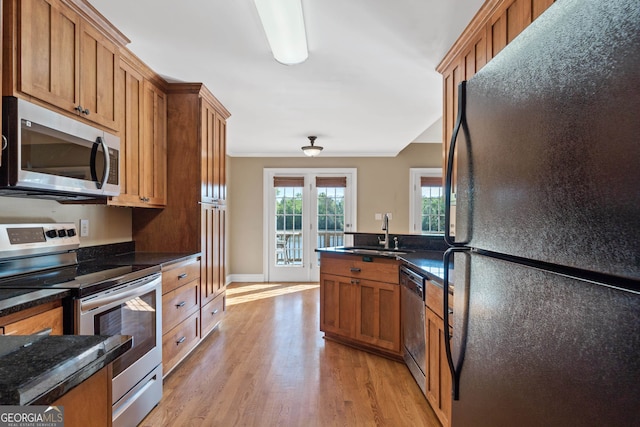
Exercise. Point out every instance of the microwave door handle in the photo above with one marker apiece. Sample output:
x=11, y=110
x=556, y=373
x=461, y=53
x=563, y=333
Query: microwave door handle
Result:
x=107, y=162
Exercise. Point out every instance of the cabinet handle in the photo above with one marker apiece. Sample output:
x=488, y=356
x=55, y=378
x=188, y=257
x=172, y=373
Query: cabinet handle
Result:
x=181, y=304
x=181, y=340
x=355, y=270
x=450, y=311
x=182, y=276
x=355, y=281
x=215, y=311
x=4, y=142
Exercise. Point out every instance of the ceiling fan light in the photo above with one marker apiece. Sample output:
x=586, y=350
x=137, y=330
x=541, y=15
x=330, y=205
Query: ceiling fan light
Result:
x=283, y=24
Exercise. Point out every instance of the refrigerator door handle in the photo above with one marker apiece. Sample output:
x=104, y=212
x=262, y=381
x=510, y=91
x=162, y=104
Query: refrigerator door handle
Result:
x=461, y=121
x=456, y=367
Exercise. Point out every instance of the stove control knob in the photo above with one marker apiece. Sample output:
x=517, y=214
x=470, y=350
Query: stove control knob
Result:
x=51, y=233
x=62, y=232
x=71, y=232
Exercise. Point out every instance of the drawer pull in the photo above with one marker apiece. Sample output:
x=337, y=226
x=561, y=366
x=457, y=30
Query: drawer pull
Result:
x=181, y=340
x=355, y=270
x=180, y=304
x=182, y=276
x=215, y=311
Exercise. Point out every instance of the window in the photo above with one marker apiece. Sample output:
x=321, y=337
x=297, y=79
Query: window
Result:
x=427, y=201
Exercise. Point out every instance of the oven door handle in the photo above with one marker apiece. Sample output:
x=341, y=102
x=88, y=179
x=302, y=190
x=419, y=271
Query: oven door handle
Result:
x=121, y=296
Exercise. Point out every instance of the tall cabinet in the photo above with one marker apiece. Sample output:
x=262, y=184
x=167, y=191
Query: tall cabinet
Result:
x=195, y=213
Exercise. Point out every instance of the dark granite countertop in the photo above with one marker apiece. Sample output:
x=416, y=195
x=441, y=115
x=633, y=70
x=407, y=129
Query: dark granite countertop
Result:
x=427, y=263
x=150, y=258
x=49, y=366
x=14, y=300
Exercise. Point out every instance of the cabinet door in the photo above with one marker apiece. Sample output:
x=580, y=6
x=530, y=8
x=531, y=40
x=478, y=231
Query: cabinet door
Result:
x=154, y=149
x=98, y=72
x=129, y=96
x=337, y=305
x=213, y=273
x=220, y=171
x=49, y=41
x=438, y=381
x=214, y=155
x=378, y=314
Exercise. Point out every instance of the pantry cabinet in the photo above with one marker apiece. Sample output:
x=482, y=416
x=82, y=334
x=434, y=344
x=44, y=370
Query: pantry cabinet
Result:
x=360, y=301
x=59, y=58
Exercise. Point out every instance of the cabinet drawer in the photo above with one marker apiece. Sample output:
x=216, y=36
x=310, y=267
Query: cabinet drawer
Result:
x=375, y=268
x=179, y=274
x=179, y=341
x=37, y=323
x=179, y=304
x=212, y=314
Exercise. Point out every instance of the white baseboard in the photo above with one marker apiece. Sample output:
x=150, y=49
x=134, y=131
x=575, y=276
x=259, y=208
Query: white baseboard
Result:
x=258, y=278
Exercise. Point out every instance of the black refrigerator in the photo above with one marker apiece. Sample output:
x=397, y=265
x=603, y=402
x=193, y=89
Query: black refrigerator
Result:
x=547, y=225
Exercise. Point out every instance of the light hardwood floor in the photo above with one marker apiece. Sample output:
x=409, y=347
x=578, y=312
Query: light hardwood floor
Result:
x=268, y=365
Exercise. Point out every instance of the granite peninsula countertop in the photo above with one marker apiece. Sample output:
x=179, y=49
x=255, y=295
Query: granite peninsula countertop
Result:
x=37, y=370
x=427, y=263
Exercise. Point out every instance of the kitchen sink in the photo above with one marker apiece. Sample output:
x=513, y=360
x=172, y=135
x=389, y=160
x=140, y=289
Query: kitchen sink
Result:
x=368, y=250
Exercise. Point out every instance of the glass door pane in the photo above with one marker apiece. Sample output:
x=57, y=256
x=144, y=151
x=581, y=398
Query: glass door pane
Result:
x=288, y=230
x=330, y=217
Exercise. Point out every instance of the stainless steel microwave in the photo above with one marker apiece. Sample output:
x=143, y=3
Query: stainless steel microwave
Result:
x=48, y=155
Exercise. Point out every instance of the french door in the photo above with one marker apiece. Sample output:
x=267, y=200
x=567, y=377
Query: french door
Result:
x=305, y=209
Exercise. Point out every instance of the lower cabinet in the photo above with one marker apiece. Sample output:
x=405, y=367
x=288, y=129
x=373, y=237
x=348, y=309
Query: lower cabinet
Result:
x=180, y=311
x=357, y=310
x=187, y=316
x=438, y=382
x=211, y=314
x=41, y=318
x=89, y=403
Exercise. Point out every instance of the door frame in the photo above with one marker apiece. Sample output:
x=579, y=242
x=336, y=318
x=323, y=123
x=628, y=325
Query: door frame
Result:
x=309, y=204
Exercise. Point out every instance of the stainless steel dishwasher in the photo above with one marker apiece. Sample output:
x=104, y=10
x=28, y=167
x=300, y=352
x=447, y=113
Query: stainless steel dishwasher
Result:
x=413, y=324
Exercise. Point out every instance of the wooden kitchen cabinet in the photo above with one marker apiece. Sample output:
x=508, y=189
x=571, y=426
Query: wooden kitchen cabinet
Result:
x=35, y=319
x=495, y=25
x=180, y=309
x=142, y=116
x=89, y=403
x=194, y=219
x=360, y=301
x=213, y=251
x=438, y=375
x=56, y=56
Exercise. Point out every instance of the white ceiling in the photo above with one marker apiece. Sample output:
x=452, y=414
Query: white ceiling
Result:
x=369, y=87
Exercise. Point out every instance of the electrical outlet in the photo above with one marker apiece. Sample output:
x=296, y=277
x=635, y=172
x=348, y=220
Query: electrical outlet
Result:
x=84, y=228
x=378, y=217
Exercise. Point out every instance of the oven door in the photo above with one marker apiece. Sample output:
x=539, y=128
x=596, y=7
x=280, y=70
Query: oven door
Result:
x=131, y=309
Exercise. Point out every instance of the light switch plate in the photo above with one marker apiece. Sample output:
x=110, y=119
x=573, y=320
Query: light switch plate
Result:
x=84, y=228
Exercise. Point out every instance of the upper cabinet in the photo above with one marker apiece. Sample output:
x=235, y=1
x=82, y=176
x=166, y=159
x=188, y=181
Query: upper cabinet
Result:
x=214, y=186
x=58, y=57
x=495, y=25
x=142, y=120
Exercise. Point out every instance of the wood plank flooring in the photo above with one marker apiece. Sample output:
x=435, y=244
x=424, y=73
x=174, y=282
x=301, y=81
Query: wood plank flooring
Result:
x=268, y=365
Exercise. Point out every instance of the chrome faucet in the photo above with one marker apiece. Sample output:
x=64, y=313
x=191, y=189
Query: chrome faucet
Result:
x=385, y=228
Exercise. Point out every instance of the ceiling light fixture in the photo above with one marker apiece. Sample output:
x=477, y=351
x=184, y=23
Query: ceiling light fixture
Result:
x=284, y=25
x=312, y=150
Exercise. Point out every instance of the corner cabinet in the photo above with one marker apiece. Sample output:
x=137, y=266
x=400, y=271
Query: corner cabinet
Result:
x=360, y=302
x=56, y=56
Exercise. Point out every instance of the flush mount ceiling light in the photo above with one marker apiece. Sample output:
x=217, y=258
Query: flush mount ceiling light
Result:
x=312, y=150
x=284, y=25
